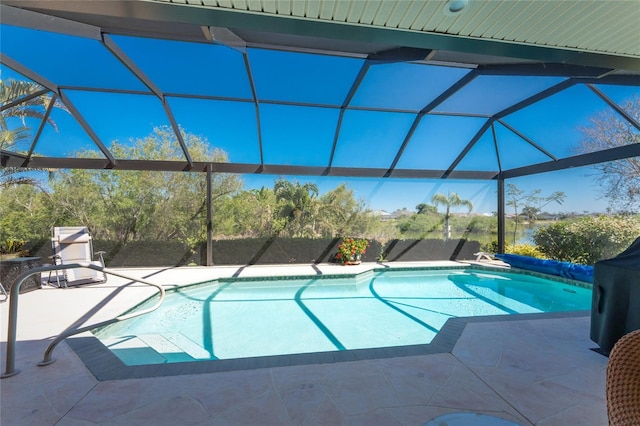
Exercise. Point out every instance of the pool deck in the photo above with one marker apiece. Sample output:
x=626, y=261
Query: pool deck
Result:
x=529, y=371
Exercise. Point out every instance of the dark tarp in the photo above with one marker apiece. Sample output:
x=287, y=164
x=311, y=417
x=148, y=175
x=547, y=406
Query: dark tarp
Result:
x=615, y=310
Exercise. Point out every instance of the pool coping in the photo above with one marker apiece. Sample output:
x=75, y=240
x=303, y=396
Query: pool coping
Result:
x=381, y=268
x=105, y=365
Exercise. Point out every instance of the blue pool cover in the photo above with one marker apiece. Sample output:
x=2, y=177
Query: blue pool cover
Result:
x=552, y=267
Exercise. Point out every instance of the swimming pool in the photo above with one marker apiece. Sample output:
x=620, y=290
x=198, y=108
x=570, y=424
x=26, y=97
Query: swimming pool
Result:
x=239, y=318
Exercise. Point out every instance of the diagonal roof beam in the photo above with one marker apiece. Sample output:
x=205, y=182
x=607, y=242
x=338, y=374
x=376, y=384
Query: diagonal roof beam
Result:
x=531, y=142
x=467, y=148
x=343, y=107
x=495, y=145
x=466, y=79
x=72, y=109
x=24, y=99
x=614, y=105
x=400, y=54
x=43, y=122
x=516, y=107
x=127, y=62
x=256, y=103
x=565, y=84
x=87, y=128
x=27, y=72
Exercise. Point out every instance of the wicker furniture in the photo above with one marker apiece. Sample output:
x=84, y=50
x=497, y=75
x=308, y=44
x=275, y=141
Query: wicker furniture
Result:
x=623, y=381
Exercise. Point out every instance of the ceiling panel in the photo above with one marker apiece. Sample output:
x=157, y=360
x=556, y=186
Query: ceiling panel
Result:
x=384, y=13
x=590, y=25
x=370, y=11
x=342, y=11
x=270, y=6
x=253, y=5
x=355, y=11
x=477, y=17
x=434, y=16
x=398, y=12
x=579, y=22
x=283, y=7
x=518, y=20
x=414, y=10
x=328, y=8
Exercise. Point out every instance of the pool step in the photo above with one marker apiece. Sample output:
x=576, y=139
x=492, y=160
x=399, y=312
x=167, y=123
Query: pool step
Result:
x=133, y=351
x=187, y=345
x=155, y=348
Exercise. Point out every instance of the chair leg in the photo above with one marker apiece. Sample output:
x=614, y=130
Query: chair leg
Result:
x=57, y=278
x=4, y=293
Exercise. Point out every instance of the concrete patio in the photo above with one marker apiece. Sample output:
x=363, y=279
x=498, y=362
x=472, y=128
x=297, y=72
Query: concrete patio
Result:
x=528, y=371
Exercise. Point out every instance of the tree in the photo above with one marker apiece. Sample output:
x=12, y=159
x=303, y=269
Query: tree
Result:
x=341, y=214
x=423, y=208
x=449, y=201
x=619, y=180
x=531, y=203
x=133, y=205
x=535, y=202
x=249, y=214
x=515, y=199
x=296, y=204
x=292, y=209
x=531, y=213
x=11, y=137
x=25, y=213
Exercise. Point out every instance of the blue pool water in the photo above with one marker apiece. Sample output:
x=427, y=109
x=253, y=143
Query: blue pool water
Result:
x=239, y=318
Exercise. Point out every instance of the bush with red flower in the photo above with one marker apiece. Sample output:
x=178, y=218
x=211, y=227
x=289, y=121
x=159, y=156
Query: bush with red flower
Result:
x=351, y=249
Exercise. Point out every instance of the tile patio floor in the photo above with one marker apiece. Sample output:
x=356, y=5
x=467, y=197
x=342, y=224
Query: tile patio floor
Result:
x=531, y=371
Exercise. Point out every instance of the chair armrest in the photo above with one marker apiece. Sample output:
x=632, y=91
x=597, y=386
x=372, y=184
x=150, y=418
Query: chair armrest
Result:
x=101, y=254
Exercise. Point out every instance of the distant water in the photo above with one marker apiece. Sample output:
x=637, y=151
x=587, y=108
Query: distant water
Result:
x=526, y=236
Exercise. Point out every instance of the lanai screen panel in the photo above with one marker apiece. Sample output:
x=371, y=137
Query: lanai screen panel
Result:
x=67, y=60
x=558, y=124
x=314, y=109
x=404, y=86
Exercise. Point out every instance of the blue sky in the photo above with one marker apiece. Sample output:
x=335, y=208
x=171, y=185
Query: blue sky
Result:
x=303, y=135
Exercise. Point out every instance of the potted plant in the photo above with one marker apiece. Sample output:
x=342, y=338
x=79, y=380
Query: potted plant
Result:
x=350, y=251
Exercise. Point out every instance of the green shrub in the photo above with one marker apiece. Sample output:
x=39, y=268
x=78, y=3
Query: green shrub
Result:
x=13, y=246
x=490, y=247
x=588, y=239
x=557, y=242
x=525, y=250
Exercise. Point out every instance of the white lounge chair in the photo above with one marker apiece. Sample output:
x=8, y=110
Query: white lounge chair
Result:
x=73, y=244
x=480, y=256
